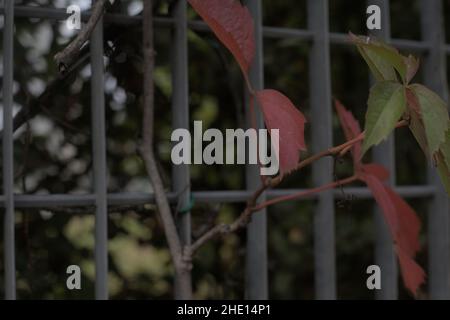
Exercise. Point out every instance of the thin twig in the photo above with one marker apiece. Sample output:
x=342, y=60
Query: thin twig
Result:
x=181, y=261
x=69, y=54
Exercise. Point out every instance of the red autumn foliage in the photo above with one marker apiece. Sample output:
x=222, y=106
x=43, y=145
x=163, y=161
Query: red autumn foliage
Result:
x=412, y=274
x=233, y=25
x=280, y=113
x=351, y=129
x=401, y=219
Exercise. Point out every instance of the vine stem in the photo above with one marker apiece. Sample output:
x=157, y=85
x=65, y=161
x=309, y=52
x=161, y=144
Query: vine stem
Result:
x=340, y=150
x=251, y=207
x=305, y=193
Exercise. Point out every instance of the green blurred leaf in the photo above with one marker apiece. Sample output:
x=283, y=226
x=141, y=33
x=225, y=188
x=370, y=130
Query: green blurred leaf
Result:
x=386, y=104
x=434, y=115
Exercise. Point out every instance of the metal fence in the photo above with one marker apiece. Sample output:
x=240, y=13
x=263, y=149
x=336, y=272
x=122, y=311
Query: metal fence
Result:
x=318, y=35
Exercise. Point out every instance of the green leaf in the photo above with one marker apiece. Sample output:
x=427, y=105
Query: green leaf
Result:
x=443, y=162
x=445, y=149
x=418, y=130
x=415, y=121
x=434, y=115
x=383, y=60
x=380, y=69
x=386, y=105
x=443, y=172
x=412, y=66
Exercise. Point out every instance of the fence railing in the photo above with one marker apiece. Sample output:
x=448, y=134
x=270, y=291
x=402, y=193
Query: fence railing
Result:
x=318, y=35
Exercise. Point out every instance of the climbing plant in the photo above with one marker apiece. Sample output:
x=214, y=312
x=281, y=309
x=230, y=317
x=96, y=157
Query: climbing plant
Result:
x=394, y=102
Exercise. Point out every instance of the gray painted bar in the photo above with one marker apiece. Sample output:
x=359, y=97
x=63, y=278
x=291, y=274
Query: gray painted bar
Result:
x=322, y=138
x=100, y=168
x=256, y=273
x=8, y=153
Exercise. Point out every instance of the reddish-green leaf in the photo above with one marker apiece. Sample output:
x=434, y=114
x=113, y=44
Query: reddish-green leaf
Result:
x=280, y=113
x=415, y=121
x=434, y=115
x=443, y=171
x=412, y=66
x=442, y=159
x=351, y=130
x=445, y=149
x=232, y=23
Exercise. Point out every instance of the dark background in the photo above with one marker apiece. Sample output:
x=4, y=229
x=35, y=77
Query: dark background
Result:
x=53, y=155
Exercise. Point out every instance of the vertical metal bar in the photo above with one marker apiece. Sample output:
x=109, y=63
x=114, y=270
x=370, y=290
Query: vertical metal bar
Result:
x=256, y=252
x=180, y=119
x=385, y=154
x=322, y=138
x=8, y=149
x=435, y=73
x=99, y=151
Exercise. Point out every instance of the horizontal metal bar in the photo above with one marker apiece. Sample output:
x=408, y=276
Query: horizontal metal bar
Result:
x=410, y=45
x=126, y=199
x=268, y=32
x=60, y=14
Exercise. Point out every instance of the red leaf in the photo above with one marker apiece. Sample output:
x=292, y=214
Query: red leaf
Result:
x=402, y=222
x=280, y=113
x=384, y=201
x=232, y=23
x=408, y=224
x=412, y=274
x=351, y=130
x=376, y=170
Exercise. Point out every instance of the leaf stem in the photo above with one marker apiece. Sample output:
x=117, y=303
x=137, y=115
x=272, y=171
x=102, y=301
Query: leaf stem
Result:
x=306, y=193
x=252, y=207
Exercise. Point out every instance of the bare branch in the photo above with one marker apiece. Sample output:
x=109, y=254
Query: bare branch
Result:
x=181, y=261
x=41, y=102
x=69, y=54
